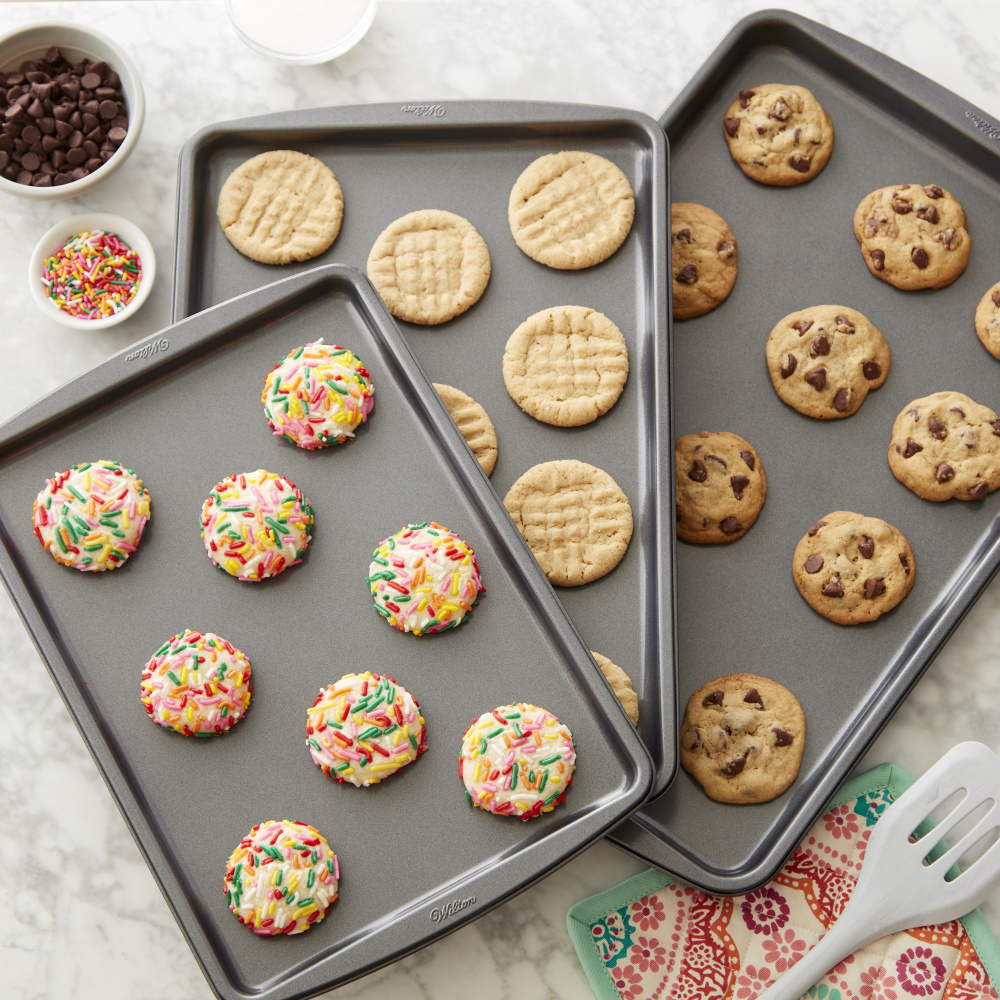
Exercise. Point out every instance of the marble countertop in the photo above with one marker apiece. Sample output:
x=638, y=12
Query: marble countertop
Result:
x=82, y=907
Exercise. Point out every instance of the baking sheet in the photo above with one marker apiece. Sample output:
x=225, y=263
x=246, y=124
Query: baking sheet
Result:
x=183, y=409
x=738, y=608
x=465, y=156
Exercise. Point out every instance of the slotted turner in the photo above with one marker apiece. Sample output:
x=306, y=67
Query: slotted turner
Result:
x=897, y=888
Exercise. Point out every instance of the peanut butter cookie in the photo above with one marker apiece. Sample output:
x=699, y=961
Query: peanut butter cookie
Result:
x=474, y=423
x=621, y=684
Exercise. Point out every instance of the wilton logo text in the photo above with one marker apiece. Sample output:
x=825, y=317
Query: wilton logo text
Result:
x=149, y=349
x=450, y=909
x=424, y=110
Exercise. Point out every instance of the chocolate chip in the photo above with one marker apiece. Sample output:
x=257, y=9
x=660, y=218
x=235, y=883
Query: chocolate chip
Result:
x=748, y=459
x=739, y=484
x=745, y=96
x=946, y=237
x=727, y=249
x=683, y=234
x=820, y=345
x=817, y=378
x=996, y=299
x=790, y=364
x=108, y=109
x=871, y=370
x=715, y=698
x=937, y=429
x=802, y=326
x=919, y=257
x=796, y=134
x=912, y=448
x=933, y=191
x=915, y=413
x=780, y=110
x=781, y=738
x=905, y=563
x=816, y=527
x=688, y=274
x=833, y=588
x=733, y=767
x=867, y=546
x=814, y=564
x=878, y=259
x=753, y=697
x=698, y=472
x=90, y=81
x=732, y=126
x=30, y=161
x=30, y=134
x=691, y=739
x=715, y=458
x=873, y=588
x=800, y=163
x=904, y=187
x=841, y=400
x=944, y=473
x=995, y=424
x=901, y=206
x=928, y=214
x=979, y=491
x=730, y=526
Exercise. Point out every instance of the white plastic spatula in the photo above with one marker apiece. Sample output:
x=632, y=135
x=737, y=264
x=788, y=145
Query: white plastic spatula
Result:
x=897, y=887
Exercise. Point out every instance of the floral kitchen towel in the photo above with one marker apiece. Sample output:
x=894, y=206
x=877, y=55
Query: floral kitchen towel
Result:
x=653, y=939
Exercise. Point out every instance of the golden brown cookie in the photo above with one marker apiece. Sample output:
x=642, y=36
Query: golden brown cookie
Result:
x=913, y=236
x=742, y=738
x=824, y=360
x=778, y=134
x=703, y=259
x=574, y=517
x=988, y=320
x=429, y=266
x=281, y=206
x=721, y=487
x=851, y=568
x=566, y=365
x=474, y=423
x=946, y=445
x=571, y=209
x=621, y=684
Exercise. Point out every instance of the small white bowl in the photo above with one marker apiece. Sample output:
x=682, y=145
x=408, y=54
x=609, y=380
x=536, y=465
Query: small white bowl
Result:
x=32, y=41
x=127, y=231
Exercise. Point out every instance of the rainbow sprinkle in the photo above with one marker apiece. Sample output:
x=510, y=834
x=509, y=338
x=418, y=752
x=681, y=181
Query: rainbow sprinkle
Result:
x=92, y=275
x=424, y=579
x=91, y=516
x=517, y=760
x=282, y=878
x=364, y=728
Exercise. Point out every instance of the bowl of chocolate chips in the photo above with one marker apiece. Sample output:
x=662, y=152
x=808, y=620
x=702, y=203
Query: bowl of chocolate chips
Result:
x=71, y=109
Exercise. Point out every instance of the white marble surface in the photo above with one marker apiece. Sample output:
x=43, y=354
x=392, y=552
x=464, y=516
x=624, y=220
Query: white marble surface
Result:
x=81, y=915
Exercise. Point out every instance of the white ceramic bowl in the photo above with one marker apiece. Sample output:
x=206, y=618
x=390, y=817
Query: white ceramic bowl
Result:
x=32, y=41
x=127, y=231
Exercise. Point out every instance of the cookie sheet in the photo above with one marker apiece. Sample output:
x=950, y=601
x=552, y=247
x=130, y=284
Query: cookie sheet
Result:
x=464, y=157
x=738, y=608
x=183, y=409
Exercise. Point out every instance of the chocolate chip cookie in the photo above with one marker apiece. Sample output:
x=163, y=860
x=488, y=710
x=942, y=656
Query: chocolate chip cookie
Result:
x=913, y=235
x=824, y=360
x=703, y=253
x=946, y=445
x=742, y=738
x=988, y=320
x=851, y=568
x=721, y=487
x=778, y=134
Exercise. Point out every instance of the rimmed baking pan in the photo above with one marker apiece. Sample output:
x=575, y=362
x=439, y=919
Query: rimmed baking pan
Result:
x=738, y=609
x=183, y=409
x=464, y=156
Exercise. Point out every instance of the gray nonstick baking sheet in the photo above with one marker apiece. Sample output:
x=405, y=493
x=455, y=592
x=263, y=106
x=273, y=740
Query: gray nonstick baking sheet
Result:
x=183, y=409
x=391, y=159
x=738, y=609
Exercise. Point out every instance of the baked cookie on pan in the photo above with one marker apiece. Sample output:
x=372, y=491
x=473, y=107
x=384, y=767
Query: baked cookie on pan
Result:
x=988, y=320
x=474, y=423
x=621, y=684
x=703, y=259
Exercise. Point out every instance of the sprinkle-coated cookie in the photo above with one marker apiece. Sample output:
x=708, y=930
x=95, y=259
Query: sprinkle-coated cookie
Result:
x=703, y=258
x=988, y=320
x=281, y=206
x=282, y=878
x=742, y=738
x=851, y=568
x=429, y=266
x=721, y=487
x=778, y=134
x=824, y=360
x=256, y=525
x=318, y=395
x=621, y=684
x=571, y=210
x=91, y=516
x=517, y=760
x=474, y=423
x=566, y=365
x=363, y=728
x=424, y=579
x=913, y=235
x=574, y=517
x=197, y=684
x=946, y=445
